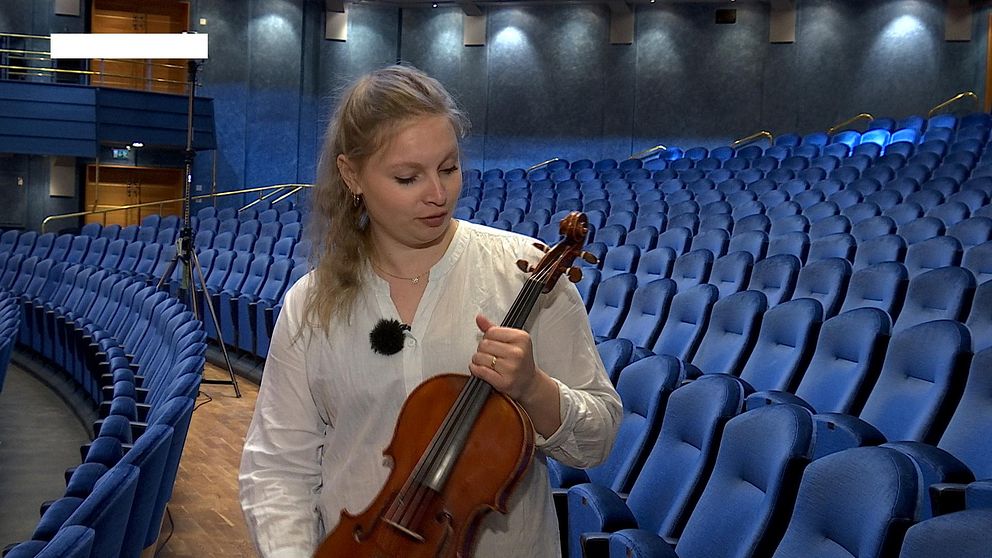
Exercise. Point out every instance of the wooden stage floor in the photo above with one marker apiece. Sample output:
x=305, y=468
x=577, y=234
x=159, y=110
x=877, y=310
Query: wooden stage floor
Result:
x=204, y=506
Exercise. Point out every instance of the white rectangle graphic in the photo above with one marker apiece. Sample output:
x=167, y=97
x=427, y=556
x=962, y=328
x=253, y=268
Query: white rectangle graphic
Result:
x=129, y=45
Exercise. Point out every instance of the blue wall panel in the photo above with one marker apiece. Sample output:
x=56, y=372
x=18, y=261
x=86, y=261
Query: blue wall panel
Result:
x=548, y=83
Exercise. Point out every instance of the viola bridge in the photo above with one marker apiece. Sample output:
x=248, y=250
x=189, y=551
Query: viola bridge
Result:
x=405, y=530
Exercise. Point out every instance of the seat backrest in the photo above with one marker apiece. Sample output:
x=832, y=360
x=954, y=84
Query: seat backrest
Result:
x=966, y=434
x=857, y=502
x=149, y=455
x=730, y=273
x=784, y=345
x=714, y=240
x=978, y=260
x=620, y=259
x=882, y=286
x=611, y=304
x=692, y=268
x=644, y=387
x=655, y=264
x=825, y=281
x=676, y=469
x=873, y=227
x=934, y=253
x=791, y=243
x=676, y=238
x=922, y=376
x=730, y=334
x=687, y=319
x=839, y=245
x=884, y=248
x=103, y=509
x=845, y=364
x=938, y=294
x=775, y=276
x=749, y=495
x=980, y=318
x=648, y=310
x=921, y=229
x=972, y=231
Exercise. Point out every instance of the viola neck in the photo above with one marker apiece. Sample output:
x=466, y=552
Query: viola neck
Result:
x=517, y=316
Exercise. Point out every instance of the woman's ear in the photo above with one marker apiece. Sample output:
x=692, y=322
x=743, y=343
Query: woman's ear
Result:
x=349, y=174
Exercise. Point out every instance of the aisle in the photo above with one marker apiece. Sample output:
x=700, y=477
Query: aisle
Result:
x=39, y=438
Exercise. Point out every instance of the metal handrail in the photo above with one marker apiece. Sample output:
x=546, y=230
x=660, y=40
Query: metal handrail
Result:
x=269, y=195
x=543, y=163
x=953, y=100
x=754, y=137
x=643, y=153
x=863, y=116
x=160, y=203
x=84, y=72
x=45, y=56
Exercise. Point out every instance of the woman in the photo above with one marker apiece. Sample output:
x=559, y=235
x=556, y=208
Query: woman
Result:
x=386, y=247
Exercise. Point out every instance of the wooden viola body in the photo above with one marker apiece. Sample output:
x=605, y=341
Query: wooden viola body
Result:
x=407, y=521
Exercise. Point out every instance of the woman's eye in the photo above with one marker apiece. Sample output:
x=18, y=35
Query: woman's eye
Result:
x=450, y=170
x=405, y=179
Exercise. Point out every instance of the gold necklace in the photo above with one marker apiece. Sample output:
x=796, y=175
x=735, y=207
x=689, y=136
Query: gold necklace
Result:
x=415, y=280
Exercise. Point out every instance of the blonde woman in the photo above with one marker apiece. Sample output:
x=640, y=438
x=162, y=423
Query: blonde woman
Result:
x=387, y=250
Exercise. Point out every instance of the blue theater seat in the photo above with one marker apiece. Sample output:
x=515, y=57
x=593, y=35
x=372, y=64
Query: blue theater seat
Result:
x=692, y=268
x=826, y=282
x=730, y=335
x=742, y=510
x=674, y=473
x=939, y=294
x=858, y=502
x=687, y=319
x=965, y=534
x=648, y=310
x=775, y=276
x=611, y=304
x=924, y=369
x=844, y=366
x=882, y=285
x=644, y=387
x=730, y=273
x=784, y=345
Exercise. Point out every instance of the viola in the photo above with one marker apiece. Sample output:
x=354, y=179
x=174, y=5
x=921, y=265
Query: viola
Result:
x=459, y=447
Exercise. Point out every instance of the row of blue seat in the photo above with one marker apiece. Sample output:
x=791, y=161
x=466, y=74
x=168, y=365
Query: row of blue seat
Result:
x=685, y=453
x=138, y=353
x=10, y=323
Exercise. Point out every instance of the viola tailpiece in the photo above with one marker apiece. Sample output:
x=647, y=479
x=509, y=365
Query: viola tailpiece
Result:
x=459, y=447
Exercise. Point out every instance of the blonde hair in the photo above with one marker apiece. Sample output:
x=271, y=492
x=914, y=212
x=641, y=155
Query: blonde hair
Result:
x=367, y=114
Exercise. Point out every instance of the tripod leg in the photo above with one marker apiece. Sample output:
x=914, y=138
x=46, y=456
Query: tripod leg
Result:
x=194, y=264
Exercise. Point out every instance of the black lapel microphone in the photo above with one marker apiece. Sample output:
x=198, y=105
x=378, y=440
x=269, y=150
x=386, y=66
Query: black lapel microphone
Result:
x=387, y=336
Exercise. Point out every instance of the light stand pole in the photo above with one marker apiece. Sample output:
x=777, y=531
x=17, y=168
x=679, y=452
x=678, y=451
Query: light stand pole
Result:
x=192, y=273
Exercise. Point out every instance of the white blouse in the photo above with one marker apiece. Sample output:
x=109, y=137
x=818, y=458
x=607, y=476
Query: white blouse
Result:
x=327, y=404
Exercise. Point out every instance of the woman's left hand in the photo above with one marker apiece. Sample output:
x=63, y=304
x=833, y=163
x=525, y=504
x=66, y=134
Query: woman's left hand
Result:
x=505, y=359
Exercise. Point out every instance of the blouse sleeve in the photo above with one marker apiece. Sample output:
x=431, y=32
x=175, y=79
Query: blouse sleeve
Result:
x=590, y=408
x=280, y=476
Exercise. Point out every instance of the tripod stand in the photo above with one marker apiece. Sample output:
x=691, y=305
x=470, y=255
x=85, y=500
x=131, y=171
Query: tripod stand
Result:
x=192, y=273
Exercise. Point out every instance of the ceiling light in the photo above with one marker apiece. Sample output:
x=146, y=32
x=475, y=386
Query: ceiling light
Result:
x=137, y=144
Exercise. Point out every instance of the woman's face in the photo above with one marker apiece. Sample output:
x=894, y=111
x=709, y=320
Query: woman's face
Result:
x=410, y=185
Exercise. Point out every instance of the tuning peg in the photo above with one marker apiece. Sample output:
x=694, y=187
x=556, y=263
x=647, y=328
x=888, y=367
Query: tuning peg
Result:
x=590, y=258
x=574, y=274
x=524, y=266
x=542, y=247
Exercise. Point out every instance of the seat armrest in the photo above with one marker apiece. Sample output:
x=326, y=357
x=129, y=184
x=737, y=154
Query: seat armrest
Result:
x=774, y=397
x=835, y=432
x=638, y=543
x=947, y=497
